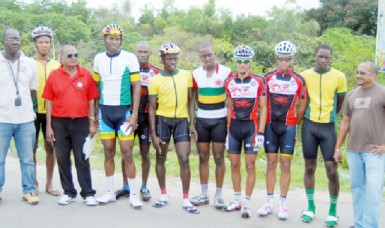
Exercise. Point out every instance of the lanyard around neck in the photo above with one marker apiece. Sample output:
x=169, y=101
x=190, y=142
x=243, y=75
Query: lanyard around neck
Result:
x=15, y=78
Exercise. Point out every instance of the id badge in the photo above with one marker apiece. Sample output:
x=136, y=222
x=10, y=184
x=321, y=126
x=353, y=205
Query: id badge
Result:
x=18, y=101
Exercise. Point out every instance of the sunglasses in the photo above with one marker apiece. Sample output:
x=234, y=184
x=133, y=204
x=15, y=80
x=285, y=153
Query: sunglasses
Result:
x=244, y=61
x=72, y=55
x=362, y=73
x=284, y=59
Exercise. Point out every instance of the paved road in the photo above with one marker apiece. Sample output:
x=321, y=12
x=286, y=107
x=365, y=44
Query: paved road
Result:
x=16, y=213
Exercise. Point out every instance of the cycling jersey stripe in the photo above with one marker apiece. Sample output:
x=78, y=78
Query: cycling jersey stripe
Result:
x=125, y=87
x=211, y=91
x=212, y=99
x=211, y=106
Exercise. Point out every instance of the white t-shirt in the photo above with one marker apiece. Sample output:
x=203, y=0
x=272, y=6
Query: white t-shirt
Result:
x=27, y=81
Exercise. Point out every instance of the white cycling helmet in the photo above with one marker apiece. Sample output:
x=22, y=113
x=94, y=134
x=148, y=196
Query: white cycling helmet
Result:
x=244, y=52
x=41, y=31
x=168, y=48
x=285, y=48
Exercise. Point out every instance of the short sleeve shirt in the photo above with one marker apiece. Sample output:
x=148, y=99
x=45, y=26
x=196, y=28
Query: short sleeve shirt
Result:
x=171, y=91
x=116, y=73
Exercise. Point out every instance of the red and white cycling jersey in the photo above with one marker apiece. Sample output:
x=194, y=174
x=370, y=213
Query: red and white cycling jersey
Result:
x=245, y=94
x=283, y=91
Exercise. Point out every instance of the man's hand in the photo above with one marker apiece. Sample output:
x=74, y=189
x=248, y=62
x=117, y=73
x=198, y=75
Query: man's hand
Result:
x=377, y=149
x=337, y=156
x=93, y=129
x=50, y=136
x=133, y=121
x=157, y=143
x=194, y=132
x=258, y=141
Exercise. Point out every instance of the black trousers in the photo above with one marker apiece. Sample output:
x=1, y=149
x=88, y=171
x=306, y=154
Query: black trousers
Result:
x=70, y=134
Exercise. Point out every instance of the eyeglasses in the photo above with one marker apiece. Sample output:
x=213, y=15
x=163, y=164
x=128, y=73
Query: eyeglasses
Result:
x=72, y=55
x=12, y=40
x=284, y=59
x=244, y=61
x=362, y=73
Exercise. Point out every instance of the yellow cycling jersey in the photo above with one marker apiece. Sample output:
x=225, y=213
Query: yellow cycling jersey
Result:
x=171, y=91
x=39, y=103
x=324, y=89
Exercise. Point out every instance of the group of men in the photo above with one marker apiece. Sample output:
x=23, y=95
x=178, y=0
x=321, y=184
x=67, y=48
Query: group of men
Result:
x=234, y=111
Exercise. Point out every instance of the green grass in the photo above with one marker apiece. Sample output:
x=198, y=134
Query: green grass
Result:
x=97, y=162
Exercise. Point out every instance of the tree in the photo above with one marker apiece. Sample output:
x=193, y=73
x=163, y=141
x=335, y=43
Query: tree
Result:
x=358, y=15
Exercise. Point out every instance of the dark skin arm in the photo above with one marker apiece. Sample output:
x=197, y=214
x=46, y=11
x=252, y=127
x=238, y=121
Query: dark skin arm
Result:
x=344, y=129
x=132, y=120
x=156, y=141
x=191, y=109
x=302, y=104
x=340, y=100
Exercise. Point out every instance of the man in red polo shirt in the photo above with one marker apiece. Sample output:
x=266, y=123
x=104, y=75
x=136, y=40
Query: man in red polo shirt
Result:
x=70, y=92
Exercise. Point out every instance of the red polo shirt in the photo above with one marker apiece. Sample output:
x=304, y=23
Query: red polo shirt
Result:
x=70, y=96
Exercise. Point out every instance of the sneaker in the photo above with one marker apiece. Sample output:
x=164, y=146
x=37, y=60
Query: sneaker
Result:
x=199, y=200
x=106, y=198
x=122, y=193
x=135, y=202
x=265, y=210
x=283, y=212
x=145, y=194
x=65, y=199
x=32, y=198
x=245, y=212
x=233, y=206
x=90, y=201
x=163, y=198
x=219, y=203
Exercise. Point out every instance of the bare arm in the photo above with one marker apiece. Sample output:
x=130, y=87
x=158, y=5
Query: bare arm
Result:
x=340, y=100
x=156, y=141
x=92, y=119
x=49, y=131
x=344, y=129
x=135, y=101
x=96, y=103
x=262, y=113
x=302, y=104
x=191, y=110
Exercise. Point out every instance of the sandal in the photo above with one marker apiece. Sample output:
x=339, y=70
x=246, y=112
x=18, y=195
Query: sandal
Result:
x=331, y=221
x=159, y=204
x=52, y=192
x=191, y=209
x=307, y=216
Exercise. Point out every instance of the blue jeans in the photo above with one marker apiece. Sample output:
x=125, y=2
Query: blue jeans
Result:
x=366, y=183
x=24, y=136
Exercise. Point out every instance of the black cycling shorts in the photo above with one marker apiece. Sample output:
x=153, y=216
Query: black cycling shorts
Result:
x=178, y=127
x=318, y=134
x=40, y=123
x=143, y=130
x=279, y=137
x=242, y=131
x=211, y=130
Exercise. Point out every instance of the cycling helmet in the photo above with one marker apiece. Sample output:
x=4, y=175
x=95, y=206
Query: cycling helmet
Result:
x=168, y=48
x=41, y=31
x=243, y=51
x=113, y=30
x=285, y=48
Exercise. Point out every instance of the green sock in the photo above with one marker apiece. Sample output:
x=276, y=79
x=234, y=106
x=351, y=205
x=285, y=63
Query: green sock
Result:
x=310, y=200
x=333, y=205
